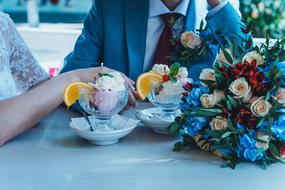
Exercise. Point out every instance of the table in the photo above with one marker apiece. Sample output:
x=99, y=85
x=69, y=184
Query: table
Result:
x=52, y=157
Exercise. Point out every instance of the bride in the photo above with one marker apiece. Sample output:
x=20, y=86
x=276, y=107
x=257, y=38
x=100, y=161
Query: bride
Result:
x=26, y=92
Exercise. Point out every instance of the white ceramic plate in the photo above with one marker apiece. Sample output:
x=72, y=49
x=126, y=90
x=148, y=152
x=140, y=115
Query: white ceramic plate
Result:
x=151, y=118
x=124, y=127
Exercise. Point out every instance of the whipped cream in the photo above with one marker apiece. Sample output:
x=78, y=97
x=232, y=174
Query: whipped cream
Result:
x=164, y=69
x=159, y=69
x=112, y=81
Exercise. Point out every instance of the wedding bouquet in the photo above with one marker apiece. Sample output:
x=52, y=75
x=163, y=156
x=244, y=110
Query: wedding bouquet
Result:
x=237, y=110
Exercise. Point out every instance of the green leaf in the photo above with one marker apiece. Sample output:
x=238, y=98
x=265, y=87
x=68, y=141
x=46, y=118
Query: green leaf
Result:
x=268, y=96
x=232, y=101
x=273, y=149
x=231, y=125
x=105, y=74
x=226, y=134
x=227, y=56
x=249, y=27
x=260, y=123
x=179, y=146
x=269, y=126
x=174, y=69
x=201, y=28
x=174, y=128
x=206, y=112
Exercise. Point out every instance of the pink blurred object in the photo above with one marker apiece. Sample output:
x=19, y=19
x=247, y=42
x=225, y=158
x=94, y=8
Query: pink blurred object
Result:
x=105, y=101
x=53, y=71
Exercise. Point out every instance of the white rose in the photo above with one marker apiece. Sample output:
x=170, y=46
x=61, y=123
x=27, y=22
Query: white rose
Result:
x=252, y=56
x=208, y=74
x=219, y=123
x=183, y=72
x=241, y=89
x=280, y=95
x=263, y=137
x=260, y=107
x=210, y=100
x=160, y=69
x=190, y=40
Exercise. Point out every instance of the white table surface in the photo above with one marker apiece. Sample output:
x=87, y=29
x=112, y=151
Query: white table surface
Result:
x=52, y=157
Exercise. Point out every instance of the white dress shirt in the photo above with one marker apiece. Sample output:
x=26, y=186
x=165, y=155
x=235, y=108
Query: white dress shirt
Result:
x=156, y=25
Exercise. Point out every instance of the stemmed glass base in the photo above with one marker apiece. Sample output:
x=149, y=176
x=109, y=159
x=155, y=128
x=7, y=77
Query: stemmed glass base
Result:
x=103, y=123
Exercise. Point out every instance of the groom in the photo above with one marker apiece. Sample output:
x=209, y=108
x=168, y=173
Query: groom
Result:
x=126, y=35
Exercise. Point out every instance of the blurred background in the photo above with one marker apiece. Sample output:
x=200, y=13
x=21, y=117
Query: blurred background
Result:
x=51, y=27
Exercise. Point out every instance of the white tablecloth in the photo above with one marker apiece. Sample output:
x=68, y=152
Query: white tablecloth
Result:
x=52, y=157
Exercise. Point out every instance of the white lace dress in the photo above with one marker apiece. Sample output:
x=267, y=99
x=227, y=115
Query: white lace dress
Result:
x=19, y=70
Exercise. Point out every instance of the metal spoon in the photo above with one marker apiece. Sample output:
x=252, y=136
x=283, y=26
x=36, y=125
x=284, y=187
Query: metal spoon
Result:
x=87, y=119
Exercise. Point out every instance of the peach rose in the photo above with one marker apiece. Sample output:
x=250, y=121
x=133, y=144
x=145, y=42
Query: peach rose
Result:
x=241, y=89
x=260, y=107
x=190, y=40
x=210, y=100
x=219, y=123
x=280, y=95
x=208, y=74
x=251, y=56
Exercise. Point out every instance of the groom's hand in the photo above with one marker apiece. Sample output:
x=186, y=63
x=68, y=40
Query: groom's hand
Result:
x=214, y=3
x=132, y=95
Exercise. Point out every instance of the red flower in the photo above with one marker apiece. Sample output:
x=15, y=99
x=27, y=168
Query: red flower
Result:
x=282, y=150
x=185, y=94
x=226, y=113
x=188, y=87
x=246, y=118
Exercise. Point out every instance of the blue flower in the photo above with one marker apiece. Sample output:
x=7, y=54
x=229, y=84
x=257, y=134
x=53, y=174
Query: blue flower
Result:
x=193, y=125
x=248, y=150
x=281, y=66
x=278, y=126
x=240, y=127
x=194, y=96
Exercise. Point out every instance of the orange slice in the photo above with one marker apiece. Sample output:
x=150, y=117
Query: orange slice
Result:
x=145, y=81
x=72, y=92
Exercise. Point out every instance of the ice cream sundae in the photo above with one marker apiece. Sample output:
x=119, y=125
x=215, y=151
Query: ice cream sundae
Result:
x=163, y=86
x=106, y=91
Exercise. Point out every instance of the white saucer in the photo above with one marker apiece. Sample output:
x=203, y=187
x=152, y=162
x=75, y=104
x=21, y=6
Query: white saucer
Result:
x=124, y=126
x=152, y=118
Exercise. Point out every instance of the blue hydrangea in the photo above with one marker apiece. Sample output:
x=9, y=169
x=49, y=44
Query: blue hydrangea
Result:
x=278, y=126
x=193, y=125
x=240, y=127
x=282, y=68
x=193, y=98
x=247, y=149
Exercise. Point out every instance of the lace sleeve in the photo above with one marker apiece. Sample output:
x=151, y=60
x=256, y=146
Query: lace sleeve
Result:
x=24, y=67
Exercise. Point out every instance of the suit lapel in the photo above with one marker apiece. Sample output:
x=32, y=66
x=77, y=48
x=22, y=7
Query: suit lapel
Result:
x=136, y=19
x=195, y=14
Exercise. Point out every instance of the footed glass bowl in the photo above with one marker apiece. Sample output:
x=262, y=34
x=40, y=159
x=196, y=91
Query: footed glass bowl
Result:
x=103, y=105
x=167, y=100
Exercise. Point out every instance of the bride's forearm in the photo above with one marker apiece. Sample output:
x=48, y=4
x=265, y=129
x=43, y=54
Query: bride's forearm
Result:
x=21, y=113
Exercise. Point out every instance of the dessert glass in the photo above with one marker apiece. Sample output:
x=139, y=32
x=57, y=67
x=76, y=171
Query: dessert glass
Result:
x=103, y=105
